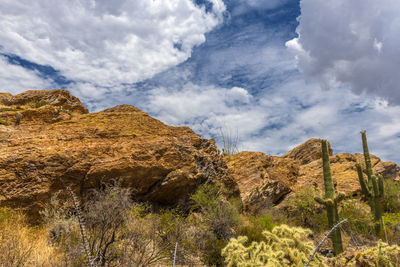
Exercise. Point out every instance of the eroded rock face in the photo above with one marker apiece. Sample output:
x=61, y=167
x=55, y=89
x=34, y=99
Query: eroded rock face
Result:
x=161, y=163
x=344, y=172
x=263, y=180
x=307, y=152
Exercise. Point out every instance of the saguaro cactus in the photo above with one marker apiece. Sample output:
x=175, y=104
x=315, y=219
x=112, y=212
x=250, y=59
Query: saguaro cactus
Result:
x=372, y=190
x=330, y=200
x=373, y=196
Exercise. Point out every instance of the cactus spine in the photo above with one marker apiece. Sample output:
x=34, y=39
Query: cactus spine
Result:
x=330, y=201
x=373, y=189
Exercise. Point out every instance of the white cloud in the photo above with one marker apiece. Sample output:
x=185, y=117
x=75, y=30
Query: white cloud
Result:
x=278, y=119
x=16, y=79
x=105, y=43
x=352, y=42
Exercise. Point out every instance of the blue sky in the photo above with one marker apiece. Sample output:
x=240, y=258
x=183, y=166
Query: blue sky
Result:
x=275, y=72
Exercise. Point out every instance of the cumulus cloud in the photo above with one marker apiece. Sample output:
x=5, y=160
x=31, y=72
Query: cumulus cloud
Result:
x=351, y=42
x=105, y=43
x=16, y=79
x=277, y=120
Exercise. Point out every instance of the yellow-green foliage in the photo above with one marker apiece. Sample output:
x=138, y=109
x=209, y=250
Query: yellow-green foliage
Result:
x=391, y=196
x=283, y=246
x=304, y=211
x=382, y=255
x=3, y=122
x=360, y=219
x=253, y=227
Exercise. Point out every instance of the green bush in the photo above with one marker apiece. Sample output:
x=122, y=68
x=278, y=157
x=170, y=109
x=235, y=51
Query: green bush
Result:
x=360, y=220
x=214, y=224
x=3, y=122
x=304, y=211
x=391, y=196
x=283, y=246
x=253, y=226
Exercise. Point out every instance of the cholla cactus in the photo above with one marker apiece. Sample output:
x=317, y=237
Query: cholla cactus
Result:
x=283, y=246
x=381, y=255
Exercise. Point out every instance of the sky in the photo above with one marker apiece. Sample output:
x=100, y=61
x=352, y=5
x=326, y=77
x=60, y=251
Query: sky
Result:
x=273, y=72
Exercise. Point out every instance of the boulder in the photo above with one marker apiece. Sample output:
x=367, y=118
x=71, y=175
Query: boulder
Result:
x=307, y=152
x=263, y=180
x=161, y=163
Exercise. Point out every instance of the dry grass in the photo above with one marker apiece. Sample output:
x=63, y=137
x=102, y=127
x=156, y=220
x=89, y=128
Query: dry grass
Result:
x=22, y=245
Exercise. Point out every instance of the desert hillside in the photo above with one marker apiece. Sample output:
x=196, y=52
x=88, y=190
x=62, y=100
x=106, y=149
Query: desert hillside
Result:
x=63, y=167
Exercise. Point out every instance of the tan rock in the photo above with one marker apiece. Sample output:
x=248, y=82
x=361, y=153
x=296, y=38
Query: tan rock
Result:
x=36, y=108
x=161, y=163
x=263, y=180
x=307, y=152
x=344, y=172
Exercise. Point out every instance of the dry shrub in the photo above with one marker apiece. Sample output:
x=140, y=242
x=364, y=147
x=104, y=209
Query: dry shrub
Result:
x=119, y=232
x=22, y=245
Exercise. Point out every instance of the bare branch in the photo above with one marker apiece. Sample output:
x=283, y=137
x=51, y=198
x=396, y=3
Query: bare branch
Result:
x=323, y=240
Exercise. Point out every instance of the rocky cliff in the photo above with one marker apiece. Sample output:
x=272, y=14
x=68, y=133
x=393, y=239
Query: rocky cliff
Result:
x=55, y=143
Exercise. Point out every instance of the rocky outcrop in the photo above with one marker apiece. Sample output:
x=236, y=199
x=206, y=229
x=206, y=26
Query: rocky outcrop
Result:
x=36, y=108
x=48, y=141
x=160, y=163
x=344, y=172
x=307, y=152
x=263, y=180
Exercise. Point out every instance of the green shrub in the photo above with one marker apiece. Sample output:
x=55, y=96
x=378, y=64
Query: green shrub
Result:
x=3, y=122
x=360, y=220
x=392, y=228
x=253, y=226
x=391, y=196
x=38, y=104
x=304, y=211
x=214, y=224
x=283, y=246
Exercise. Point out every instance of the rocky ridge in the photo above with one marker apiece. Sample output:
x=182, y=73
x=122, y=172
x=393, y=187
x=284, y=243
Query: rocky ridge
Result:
x=48, y=151
x=55, y=142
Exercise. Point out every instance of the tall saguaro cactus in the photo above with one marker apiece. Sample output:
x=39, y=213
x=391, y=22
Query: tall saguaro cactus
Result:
x=330, y=200
x=372, y=190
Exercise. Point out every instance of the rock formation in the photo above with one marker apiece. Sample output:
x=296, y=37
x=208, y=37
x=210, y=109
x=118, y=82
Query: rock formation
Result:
x=49, y=141
x=58, y=143
x=263, y=180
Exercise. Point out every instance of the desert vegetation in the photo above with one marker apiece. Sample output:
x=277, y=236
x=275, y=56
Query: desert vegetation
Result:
x=120, y=232
x=313, y=226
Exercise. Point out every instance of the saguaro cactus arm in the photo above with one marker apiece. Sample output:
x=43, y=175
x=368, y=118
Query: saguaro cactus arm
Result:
x=380, y=185
x=364, y=189
x=367, y=158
